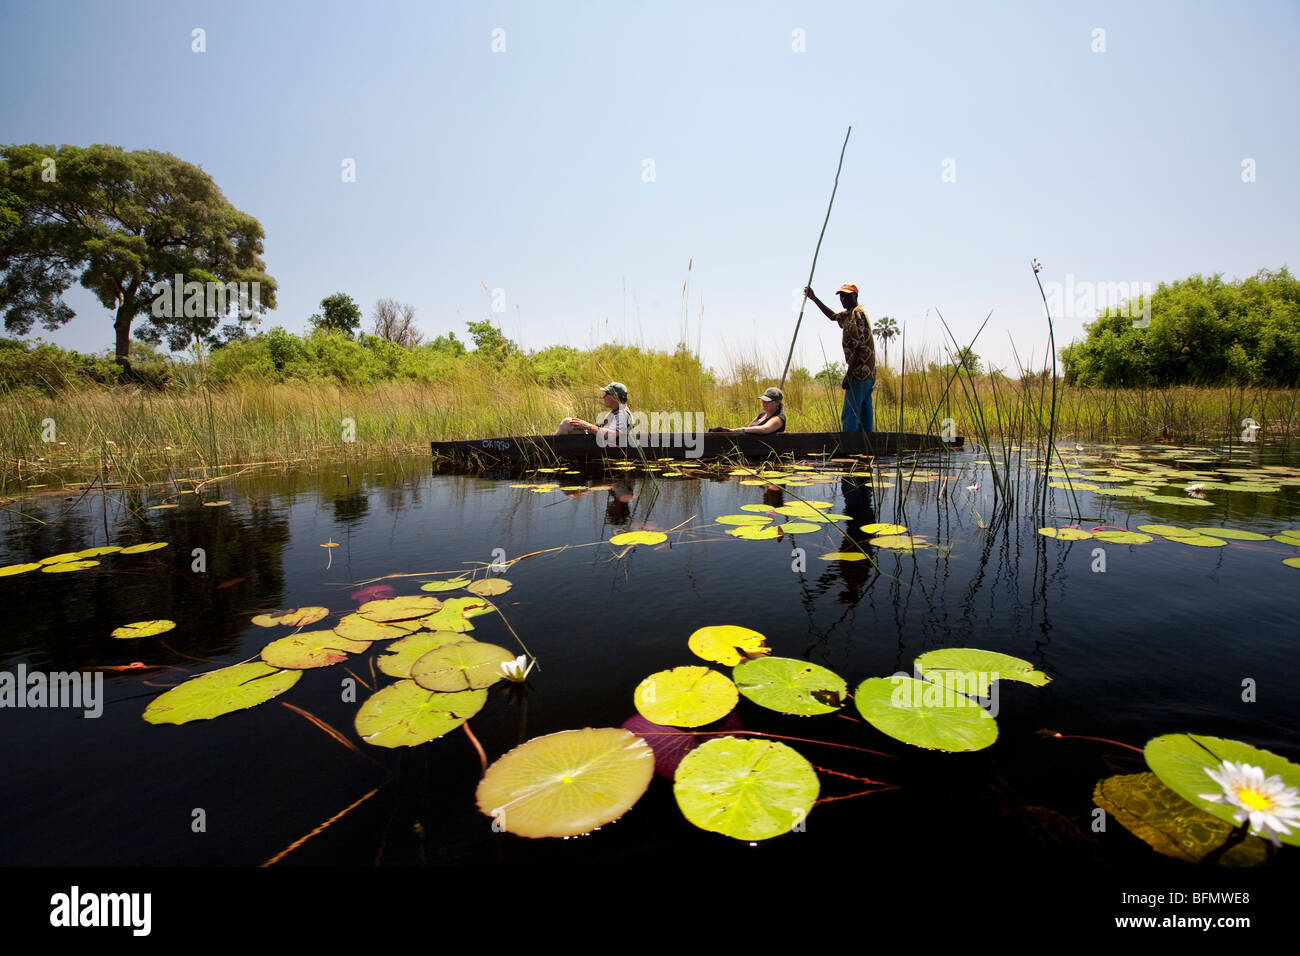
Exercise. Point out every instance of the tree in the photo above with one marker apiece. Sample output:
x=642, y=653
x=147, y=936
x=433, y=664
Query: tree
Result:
x=969, y=361
x=395, y=321
x=124, y=225
x=339, y=313
x=490, y=341
x=886, y=330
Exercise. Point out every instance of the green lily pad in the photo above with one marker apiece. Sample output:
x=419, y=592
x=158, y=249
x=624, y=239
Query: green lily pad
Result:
x=727, y=644
x=842, y=556
x=465, y=665
x=791, y=686
x=311, y=649
x=455, y=613
x=639, y=537
x=1123, y=492
x=1199, y=540
x=1232, y=534
x=407, y=715
x=567, y=784
x=754, y=533
x=357, y=628
x=98, y=552
x=925, y=714
x=899, y=542
x=389, y=610
x=64, y=558
x=798, y=527
x=685, y=697
x=743, y=519
x=1170, y=825
x=398, y=657
x=1167, y=530
x=760, y=509
x=12, y=569
x=1181, y=762
x=746, y=789
x=143, y=629
x=1288, y=537
x=1065, y=534
x=1077, y=485
x=971, y=672
x=884, y=529
x=296, y=617
x=1291, y=562
x=455, y=584
x=220, y=692
x=489, y=587
x=1253, y=487
x=1123, y=537
x=142, y=548
x=65, y=566
x=1176, y=500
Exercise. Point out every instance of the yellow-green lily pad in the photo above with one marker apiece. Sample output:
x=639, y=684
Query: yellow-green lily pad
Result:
x=12, y=569
x=884, y=529
x=489, y=587
x=311, y=649
x=407, y=715
x=220, y=692
x=455, y=584
x=142, y=548
x=790, y=686
x=925, y=714
x=64, y=566
x=727, y=644
x=408, y=608
x=397, y=659
x=143, y=629
x=465, y=665
x=1065, y=534
x=746, y=789
x=639, y=537
x=455, y=613
x=685, y=697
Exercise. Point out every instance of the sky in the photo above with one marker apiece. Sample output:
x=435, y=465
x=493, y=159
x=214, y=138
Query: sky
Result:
x=653, y=172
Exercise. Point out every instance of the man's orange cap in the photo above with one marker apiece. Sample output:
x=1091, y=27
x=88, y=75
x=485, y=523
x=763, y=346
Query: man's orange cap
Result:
x=848, y=287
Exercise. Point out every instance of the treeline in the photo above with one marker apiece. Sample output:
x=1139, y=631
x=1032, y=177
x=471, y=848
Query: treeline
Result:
x=1201, y=332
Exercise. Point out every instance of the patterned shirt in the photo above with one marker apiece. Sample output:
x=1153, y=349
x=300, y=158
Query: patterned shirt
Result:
x=859, y=346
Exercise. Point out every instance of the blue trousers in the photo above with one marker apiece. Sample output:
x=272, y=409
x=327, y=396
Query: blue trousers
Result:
x=857, y=416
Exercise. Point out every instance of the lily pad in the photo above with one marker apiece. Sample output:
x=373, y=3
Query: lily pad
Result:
x=1123, y=537
x=142, y=548
x=465, y=665
x=567, y=784
x=489, y=587
x=311, y=649
x=12, y=569
x=407, y=715
x=1175, y=500
x=759, y=508
x=925, y=714
x=455, y=584
x=1167, y=530
x=143, y=629
x=455, y=613
x=727, y=644
x=98, y=552
x=1170, y=825
x=1291, y=562
x=399, y=609
x=639, y=537
x=63, y=558
x=357, y=628
x=685, y=697
x=791, y=686
x=747, y=789
x=1181, y=762
x=884, y=529
x=899, y=542
x=1065, y=534
x=753, y=533
x=743, y=519
x=1232, y=534
x=970, y=671
x=398, y=657
x=842, y=556
x=65, y=566
x=220, y=692
x=296, y=617
x=1199, y=540
x=798, y=527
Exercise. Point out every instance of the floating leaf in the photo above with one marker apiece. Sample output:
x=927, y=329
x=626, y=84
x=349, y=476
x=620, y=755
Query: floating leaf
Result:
x=1123, y=492
x=1175, y=500
x=1291, y=562
x=64, y=558
x=399, y=609
x=489, y=587
x=220, y=692
x=842, y=556
x=63, y=566
x=970, y=671
x=1168, y=530
x=685, y=697
x=639, y=537
x=407, y=715
x=743, y=519
x=1065, y=534
x=1199, y=540
x=899, y=542
x=1181, y=761
x=12, y=569
x=727, y=644
x=790, y=686
x=761, y=509
x=1123, y=537
x=295, y=617
x=97, y=552
x=218, y=504
x=401, y=654
x=884, y=529
x=925, y=714
x=1288, y=537
x=454, y=584
x=455, y=614
x=142, y=548
x=567, y=784
x=465, y=665
x=1170, y=825
x=1076, y=485
x=752, y=533
x=311, y=649
x=798, y=527
x=162, y=507
x=143, y=629
x=357, y=628
x=744, y=788
x=1232, y=534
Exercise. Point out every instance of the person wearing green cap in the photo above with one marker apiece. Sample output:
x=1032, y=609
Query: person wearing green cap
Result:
x=771, y=419
x=614, y=425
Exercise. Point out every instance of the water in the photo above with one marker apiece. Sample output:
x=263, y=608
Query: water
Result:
x=1160, y=642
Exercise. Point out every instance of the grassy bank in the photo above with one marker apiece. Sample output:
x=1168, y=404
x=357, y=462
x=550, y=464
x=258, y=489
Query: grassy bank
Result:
x=131, y=433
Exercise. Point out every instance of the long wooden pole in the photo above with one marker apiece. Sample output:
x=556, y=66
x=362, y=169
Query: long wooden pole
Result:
x=789, y=355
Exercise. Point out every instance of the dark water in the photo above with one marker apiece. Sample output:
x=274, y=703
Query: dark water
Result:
x=1160, y=642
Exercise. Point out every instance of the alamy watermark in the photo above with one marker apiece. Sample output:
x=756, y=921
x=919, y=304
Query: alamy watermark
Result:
x=75, y=690
x=946, y=689
x=659, y=430
x=1085, y=300
x=177, y=298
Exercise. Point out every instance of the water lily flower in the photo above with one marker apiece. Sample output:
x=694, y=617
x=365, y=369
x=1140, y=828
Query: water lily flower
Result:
x=1196, y=491
x=972, y=487
x=1270, y=805
x=515, y=670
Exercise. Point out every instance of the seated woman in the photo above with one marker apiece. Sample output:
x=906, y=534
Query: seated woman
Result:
x=616, y=422
x=770, y=420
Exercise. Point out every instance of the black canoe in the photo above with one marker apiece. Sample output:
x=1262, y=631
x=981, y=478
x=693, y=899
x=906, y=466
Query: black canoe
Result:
x=538, y=448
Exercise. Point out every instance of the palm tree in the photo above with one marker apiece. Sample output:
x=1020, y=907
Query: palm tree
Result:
x=886, y=329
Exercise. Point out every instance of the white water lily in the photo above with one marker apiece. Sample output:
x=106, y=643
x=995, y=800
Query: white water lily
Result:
x=1271, y=806
x=972, y=487
x=515, y=670
x=1197, y=491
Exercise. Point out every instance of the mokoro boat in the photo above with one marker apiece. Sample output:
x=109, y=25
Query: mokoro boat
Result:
x=706, y=445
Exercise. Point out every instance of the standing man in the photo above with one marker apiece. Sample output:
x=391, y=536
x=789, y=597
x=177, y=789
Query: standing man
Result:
x=859, y=356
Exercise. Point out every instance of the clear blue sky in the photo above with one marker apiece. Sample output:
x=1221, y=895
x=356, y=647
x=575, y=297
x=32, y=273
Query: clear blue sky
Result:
x=523, y=169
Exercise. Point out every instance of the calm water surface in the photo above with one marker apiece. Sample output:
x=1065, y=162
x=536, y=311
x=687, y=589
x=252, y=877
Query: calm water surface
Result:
x=1159, y=642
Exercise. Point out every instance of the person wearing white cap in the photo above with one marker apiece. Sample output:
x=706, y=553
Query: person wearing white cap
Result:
x=771, y=419
x=614, y=425
x=859, y=356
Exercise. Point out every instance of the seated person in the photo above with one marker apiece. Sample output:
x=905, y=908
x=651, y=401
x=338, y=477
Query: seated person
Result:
x=614, y=424
x=770, y=420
